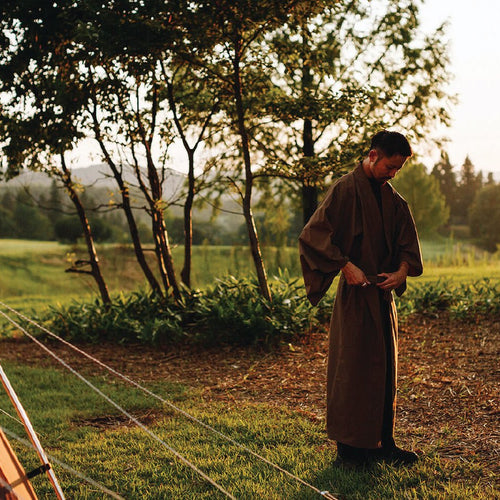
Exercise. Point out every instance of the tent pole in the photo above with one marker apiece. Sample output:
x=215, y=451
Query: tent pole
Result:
x=31, y=433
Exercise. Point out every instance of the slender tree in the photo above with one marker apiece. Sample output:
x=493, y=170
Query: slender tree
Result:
x=443, y=172
x=490, y=179
x=95, y=269
x=224, y=41
x=104, y=84
x=192, y=104
x=484, y=217
x=125, y=77
x=94, y=111
x=40, y=120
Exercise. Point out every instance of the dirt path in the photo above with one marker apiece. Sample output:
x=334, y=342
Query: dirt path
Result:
x=449, y=381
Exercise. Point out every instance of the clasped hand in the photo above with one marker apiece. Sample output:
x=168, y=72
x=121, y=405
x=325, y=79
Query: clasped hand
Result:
x=356, y=277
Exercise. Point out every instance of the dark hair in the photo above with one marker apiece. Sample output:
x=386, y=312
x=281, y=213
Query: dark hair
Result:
x=391, y=143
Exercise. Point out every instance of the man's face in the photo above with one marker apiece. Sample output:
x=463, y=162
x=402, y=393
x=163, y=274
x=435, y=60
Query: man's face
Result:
x=384, y=168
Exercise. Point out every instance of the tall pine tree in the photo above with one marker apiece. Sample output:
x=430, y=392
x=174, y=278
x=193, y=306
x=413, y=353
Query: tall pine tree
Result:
x=447, y=179
x=466, y=189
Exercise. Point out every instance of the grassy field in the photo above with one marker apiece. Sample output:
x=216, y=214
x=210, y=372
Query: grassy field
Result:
x=81, y=430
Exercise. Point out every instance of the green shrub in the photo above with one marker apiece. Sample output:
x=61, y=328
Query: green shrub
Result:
x=232, y=312
x=464, y=301
x=138, y=317
x=429, y=298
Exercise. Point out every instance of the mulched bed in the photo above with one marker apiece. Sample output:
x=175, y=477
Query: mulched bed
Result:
x=449, y=380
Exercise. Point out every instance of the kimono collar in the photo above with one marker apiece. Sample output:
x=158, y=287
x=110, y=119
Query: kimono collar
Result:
x=370, y=204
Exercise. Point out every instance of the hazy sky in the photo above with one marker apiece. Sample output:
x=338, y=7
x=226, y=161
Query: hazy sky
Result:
x=475, y=58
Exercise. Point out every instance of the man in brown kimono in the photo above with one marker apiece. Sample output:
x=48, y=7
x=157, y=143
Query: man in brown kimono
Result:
x=364, y=229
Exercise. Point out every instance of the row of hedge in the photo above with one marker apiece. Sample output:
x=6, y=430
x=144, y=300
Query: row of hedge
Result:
x=233, y=311
x=462, y=301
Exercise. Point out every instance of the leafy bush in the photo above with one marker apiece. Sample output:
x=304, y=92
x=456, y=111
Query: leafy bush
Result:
x=138, y=317
x=484, y=217
x=429, y=298
x=464, y=301
x=232, y=311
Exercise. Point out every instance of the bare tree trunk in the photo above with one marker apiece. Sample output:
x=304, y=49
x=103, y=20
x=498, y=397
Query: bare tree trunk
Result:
x=95, y=269
x=136, y=242
x=309, y=190
x=133, y=230
x=247, y=198
x=188, y=205
x=162, y=245
x=154, y=196
x=188, y=223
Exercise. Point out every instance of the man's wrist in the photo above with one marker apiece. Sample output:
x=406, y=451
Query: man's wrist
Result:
x=404, y=267
x=346, y=265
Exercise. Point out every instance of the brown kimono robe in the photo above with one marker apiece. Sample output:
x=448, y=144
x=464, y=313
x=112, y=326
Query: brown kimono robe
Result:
x=349, y=225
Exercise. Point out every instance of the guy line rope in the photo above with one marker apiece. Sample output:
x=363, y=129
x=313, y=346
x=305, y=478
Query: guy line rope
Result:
x=325, y=494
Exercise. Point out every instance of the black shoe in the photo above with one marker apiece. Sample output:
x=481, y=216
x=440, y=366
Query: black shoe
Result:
x=397, y=456
x=351, y=455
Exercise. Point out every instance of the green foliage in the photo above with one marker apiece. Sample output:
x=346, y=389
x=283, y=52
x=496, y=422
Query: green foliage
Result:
x=33, y=272
x=34, y=217
x=484, y=217
x=470, y=183
x=463, y=300
x=136, y=317
x=285, y=73
x=20, y=218
x=68, y=229
x=232, y=311
x=427, y=299
x=319, y=94
x=424, y=197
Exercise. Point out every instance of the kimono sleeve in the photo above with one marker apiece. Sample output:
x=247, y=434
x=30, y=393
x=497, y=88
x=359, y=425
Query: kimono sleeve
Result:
x=408, y=246
x=325, y=240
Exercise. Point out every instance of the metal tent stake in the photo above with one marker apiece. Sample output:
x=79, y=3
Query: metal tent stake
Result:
x=31, y=433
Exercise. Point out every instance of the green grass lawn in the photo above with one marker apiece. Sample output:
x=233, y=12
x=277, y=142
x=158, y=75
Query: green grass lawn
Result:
x=78, y=428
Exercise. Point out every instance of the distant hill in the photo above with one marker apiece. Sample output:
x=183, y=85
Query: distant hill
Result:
x=99, y=176
x=100, y=181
